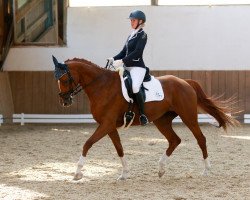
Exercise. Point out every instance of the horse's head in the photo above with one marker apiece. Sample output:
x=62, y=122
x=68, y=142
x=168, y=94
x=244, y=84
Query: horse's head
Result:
x=68, y=82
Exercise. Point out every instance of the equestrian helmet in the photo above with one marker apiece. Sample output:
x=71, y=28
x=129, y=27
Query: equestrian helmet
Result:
x=137, y=14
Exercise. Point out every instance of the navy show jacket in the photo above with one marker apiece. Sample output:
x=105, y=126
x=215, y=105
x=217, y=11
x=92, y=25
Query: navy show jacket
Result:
x=132, y=52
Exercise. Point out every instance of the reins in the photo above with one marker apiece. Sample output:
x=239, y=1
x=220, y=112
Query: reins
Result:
x=77, y=89
x=109, y=65
x=72, y=92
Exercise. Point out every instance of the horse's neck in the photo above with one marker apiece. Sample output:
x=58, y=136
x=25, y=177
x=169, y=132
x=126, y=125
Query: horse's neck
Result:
x=88, y=73
x=94, y=80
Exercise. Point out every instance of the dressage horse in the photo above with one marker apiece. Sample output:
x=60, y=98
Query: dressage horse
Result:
x=182, y=98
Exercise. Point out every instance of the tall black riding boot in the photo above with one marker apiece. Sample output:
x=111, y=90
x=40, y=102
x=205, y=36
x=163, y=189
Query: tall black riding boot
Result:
x=140, y=102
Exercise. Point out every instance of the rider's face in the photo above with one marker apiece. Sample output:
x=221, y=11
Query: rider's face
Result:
x=134, y=23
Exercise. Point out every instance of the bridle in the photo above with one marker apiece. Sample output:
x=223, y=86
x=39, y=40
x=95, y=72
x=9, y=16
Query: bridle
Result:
x=72, y=92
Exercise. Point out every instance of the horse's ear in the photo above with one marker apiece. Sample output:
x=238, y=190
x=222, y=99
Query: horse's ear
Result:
x=55, y=61
x=58, y=72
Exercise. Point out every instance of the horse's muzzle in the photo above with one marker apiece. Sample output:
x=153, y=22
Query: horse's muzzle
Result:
x=66, y=102
x=66, y=98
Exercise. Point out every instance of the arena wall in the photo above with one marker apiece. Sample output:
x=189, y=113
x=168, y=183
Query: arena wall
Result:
x=6, y=102
x=37, y=92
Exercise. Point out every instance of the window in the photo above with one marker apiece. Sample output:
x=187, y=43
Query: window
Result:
x=39, y=21
x=20, y=3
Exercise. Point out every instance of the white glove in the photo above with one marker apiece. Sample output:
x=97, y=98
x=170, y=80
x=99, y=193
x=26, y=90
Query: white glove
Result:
x=111, y=60
x=118, y=63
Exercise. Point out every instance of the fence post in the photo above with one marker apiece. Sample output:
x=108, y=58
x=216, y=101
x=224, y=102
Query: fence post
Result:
x=22, y=119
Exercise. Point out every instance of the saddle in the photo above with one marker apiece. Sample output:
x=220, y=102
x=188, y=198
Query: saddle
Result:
x=128, y=83
x=151, y=90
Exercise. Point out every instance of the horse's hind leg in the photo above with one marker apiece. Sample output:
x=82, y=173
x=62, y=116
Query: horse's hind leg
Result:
x=164, y=125
x=114, y=136
x=192, y=123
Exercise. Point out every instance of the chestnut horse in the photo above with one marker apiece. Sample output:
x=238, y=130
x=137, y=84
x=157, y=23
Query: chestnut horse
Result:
x=103, y=87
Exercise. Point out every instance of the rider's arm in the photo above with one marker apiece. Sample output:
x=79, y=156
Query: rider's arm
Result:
x=121, y=55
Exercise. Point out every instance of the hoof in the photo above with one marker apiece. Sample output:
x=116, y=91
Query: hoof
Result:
x=161, y=173
x=122, y=178
x=205, y=172
x=78, y=176
x=207, y=167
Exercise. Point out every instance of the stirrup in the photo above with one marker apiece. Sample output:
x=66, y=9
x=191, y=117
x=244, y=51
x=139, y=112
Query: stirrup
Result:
x=143, y=120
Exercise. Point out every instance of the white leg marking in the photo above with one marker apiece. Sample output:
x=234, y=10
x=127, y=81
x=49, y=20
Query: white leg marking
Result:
x=207, y=167
x=78, y=174
x=162, y=164
x=124, y=174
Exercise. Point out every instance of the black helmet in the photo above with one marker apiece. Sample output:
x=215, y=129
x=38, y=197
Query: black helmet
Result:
x=137, y=14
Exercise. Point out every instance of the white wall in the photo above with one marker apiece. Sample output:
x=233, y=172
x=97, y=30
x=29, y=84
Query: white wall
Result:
x=179, y=38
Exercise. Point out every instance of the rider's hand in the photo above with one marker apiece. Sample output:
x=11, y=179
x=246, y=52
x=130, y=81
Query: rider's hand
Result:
x=118, y=63
x=110, y=60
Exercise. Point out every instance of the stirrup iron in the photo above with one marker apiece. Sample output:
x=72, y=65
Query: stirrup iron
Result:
x=143, y=120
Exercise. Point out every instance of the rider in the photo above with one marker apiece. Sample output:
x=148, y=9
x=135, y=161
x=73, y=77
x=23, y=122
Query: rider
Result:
x=131, y=58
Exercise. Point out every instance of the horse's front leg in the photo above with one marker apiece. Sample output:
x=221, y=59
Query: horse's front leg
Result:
x=99, y=133
x=114, y=136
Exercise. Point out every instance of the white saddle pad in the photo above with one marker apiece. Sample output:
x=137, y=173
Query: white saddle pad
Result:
x=154, y=90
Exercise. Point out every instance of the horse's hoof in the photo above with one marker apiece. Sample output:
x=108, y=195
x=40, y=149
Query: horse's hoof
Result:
x=78, y=176
x=207, y=167
x=161, y=173
x=205, y=172
x=121, y=178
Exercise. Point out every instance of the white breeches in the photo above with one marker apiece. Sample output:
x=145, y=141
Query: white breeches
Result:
x=137, y=75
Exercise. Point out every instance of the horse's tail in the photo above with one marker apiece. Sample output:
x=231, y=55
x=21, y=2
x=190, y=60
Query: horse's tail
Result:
x=215, y=107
